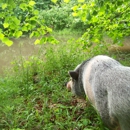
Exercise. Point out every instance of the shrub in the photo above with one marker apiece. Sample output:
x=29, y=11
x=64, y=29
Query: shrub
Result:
x=60, y=17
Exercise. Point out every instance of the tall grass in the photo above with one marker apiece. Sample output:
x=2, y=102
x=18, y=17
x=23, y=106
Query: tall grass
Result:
x=33, y=95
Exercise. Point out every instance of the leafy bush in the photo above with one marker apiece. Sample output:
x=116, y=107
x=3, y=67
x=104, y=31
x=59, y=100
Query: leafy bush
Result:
x=60, y=17
x=43, y=4
x=22, y=18
x=105, y=17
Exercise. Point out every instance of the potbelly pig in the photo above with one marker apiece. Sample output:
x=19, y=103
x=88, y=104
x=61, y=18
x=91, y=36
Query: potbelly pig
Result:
x=106, y=83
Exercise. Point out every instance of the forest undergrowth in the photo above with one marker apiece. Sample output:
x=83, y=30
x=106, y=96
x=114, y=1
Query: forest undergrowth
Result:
x=33, y=95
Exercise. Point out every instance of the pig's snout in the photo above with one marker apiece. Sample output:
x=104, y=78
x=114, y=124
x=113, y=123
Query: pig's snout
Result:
x=69, y=85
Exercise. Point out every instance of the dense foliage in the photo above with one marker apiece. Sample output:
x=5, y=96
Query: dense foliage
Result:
x=58, y=17
x=20, y=18
x=104, y=18
x=43, y=4
x=98, y=18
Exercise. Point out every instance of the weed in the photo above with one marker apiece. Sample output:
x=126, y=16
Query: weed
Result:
x=33, y=95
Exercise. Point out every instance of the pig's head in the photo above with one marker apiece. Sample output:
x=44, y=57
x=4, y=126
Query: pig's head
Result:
x=75, y=84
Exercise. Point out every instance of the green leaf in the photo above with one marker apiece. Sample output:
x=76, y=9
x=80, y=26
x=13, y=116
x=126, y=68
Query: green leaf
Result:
x=18, y=34
x=54, y=1
x=24, y=28
x=52, y=40
x=75, y=8
x=75, y=14
x=16, y=21
x=83, y=18
x=37, y=41
x=95, y=19
x=32, y=34
x=4, y=6
x=7, y=41
x=36, y=12
x=89, y=16
x=6, y=25
x=81, y=1
x=23, y=6
x=1, y=36
x=92, y=4
x=49, y=30
x=43, y=40
x=32, y=3
x=66, y=1
x=84, y=6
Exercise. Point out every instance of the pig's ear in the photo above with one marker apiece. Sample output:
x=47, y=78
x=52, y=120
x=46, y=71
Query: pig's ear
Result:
x=74, y=74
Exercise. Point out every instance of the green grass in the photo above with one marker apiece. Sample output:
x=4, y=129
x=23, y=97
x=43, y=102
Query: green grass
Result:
x=47, y=105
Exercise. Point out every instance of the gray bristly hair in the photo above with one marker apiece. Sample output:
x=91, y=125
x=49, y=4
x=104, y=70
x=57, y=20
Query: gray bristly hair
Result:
x=107, y=85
